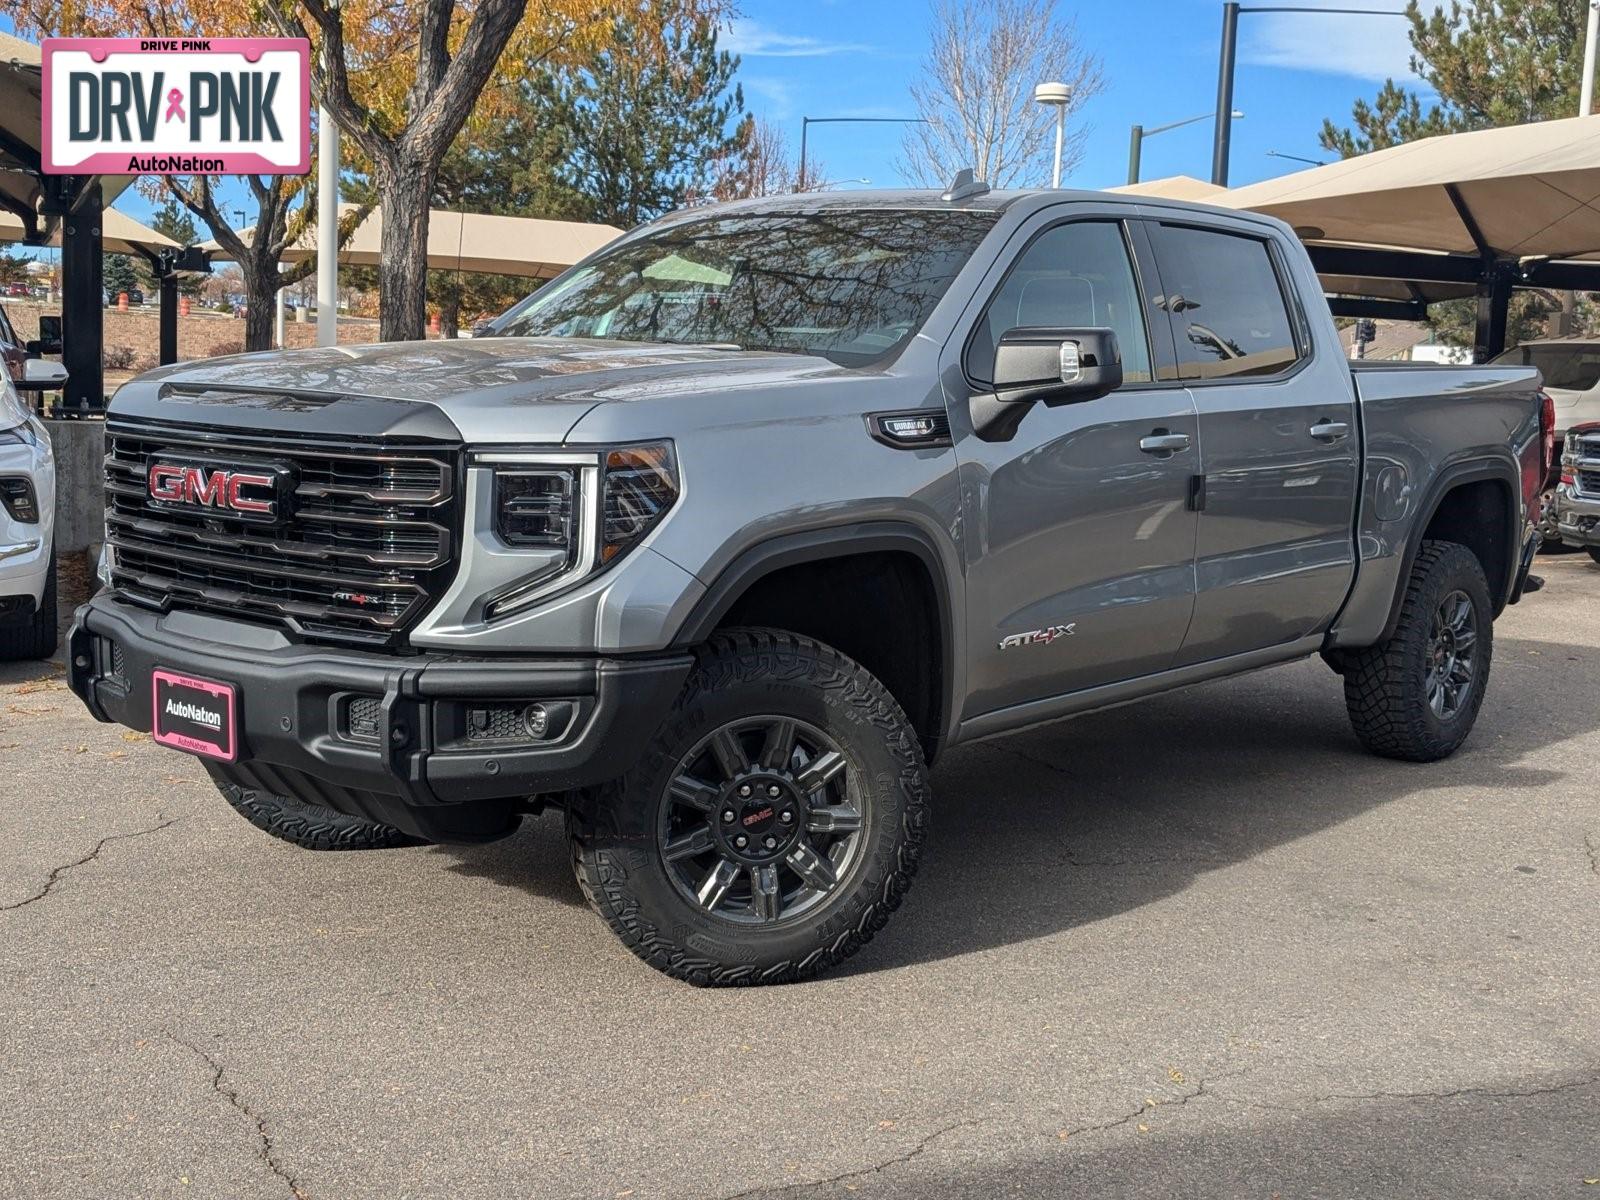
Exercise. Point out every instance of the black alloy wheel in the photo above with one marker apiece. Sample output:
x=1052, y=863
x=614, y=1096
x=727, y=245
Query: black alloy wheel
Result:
x=760, y=822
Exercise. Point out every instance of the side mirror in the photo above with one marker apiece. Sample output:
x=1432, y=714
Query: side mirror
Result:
x=49, y=341
x=41, y=376
x=1056, y=366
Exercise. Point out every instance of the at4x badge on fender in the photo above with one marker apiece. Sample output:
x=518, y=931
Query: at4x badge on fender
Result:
x=1038, y=637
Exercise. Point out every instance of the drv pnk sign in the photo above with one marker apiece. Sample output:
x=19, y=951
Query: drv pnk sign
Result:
x=177, y=106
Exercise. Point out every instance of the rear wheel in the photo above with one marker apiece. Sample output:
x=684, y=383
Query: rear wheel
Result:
x=1594, y=553
x=306, y=824
x=1416, y=695
x=771, y=826
x=33, y=635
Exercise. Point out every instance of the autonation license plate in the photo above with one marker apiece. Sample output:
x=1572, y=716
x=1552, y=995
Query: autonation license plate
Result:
x=192, y=714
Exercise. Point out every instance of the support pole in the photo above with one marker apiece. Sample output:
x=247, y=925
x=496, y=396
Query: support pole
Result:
x=327, y=234
x=277, y=319
x=1061, y=131
x=1222, y=141
x=169, y=318
x=82, y=302
x=1494, y=310
x=1591, y=35
x=800, y=175
x=1135, y=152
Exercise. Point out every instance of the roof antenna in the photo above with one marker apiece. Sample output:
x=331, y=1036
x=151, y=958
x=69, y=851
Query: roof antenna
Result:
x=965, y=186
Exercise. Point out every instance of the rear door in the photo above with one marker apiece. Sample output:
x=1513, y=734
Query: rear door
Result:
x=1079, y=541
x=1279, y=442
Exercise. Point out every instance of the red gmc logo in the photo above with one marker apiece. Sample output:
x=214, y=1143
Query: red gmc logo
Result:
x=217, y=487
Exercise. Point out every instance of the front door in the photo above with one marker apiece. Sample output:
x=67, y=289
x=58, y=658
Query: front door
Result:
x=1078, y=532
x=1279, y=439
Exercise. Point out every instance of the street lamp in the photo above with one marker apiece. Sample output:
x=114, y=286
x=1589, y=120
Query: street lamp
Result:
x=1139, y=133
x=1230, y=44
x=807, y=122
x=1315, y=162
x=1057, y=96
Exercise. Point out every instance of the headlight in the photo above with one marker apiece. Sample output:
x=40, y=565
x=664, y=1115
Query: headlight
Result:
x=553, y=512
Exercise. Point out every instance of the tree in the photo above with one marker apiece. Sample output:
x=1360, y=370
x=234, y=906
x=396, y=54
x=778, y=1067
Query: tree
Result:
x=119, y=275
x=976, y=93
x=402, y=97
x=763, y=167
x=647, y=127
x=1493, y=63
x=13, y=267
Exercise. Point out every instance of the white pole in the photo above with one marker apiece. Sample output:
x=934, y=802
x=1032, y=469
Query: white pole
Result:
x=1591, y=34
x=277, y=321
x=327, y=229
x=1061, y=121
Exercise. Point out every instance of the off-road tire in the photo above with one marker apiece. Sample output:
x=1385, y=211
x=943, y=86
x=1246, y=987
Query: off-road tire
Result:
x=33, y=636
x=1594, y=552
x=739, y=673
x=307, y=825
x=1385, y=685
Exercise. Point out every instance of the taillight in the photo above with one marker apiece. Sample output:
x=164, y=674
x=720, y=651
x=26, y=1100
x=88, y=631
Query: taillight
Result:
x=1547, y=431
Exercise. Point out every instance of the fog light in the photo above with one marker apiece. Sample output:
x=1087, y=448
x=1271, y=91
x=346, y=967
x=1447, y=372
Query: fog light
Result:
x=537, y=720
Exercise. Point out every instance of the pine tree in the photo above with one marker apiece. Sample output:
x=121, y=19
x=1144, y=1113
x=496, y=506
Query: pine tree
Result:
x=646, y=131
x=119, y=275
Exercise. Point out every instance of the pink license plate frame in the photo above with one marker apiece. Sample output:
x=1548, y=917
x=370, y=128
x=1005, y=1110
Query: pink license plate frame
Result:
x=195, y=715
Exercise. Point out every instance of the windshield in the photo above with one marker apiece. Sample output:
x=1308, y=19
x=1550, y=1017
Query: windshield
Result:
x=849, y=286
x=1573, y=366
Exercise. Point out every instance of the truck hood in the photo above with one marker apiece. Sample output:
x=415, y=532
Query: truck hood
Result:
x=494, y=389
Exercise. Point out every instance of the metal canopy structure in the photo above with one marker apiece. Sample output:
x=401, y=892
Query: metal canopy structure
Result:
x=72, y=212
x=1479, y=213
x=528, y=247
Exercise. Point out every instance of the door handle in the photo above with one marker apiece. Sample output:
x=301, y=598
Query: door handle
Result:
x=1162, y=442
x=1330, y=431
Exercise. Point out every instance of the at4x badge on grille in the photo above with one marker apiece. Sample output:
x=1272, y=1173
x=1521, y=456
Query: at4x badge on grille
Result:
x=1038, y=637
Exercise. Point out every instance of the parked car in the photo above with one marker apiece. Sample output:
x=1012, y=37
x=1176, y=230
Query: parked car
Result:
x=1571, y=370
x=27, y=528
x=723, y=536
x=1577, y=512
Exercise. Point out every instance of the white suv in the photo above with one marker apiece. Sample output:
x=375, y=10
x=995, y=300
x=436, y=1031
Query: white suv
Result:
x=27, y=525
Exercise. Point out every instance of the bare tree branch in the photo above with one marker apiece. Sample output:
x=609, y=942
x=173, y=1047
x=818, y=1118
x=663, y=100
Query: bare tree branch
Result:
x=985, y=59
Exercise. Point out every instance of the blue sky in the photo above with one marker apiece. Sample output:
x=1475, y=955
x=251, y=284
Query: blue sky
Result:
x=858, y=57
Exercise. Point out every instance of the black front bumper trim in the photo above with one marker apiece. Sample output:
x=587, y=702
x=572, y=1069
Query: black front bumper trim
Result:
x=421, y=778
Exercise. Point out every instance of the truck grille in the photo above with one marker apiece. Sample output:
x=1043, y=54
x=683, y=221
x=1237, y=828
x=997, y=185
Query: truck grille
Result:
x=366, y=544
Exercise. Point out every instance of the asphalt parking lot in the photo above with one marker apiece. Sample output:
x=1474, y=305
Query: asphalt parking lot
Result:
x=1202, y=944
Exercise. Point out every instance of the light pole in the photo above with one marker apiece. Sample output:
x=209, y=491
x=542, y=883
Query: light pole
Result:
x=1138, y=134
x=1056, y=96
x=1590, y=34
x=1230, y=45
x=1315, y=162
x=807, y=122
x=327, y=226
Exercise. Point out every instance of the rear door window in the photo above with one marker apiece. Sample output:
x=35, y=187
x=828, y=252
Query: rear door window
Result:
x=1230, y=315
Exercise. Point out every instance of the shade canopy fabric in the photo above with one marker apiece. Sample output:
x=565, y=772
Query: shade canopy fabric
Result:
x=1523, y=191
x=525, y=246
x=1173, y=187
x=120, y=234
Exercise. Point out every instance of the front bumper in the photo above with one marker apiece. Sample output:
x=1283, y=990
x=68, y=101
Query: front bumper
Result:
x=415, y=741
x=1577, y=518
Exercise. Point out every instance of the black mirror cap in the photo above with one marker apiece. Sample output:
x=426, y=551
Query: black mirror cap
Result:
x=1057, y=366
x=1052, y=365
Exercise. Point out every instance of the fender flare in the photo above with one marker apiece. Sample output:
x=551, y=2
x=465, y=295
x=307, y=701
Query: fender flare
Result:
x=1445, y=480
x=755, y=562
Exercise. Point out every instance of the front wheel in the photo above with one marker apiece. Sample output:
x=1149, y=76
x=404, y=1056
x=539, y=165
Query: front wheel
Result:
x=1416, y=695
x=770, y=827
x=1594, y=552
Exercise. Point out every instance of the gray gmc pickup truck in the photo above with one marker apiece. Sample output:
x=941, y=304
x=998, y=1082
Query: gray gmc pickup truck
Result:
x=718, y=540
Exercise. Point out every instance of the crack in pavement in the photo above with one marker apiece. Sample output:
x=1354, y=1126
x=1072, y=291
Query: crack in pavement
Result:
x=267, y=1152
x=57, y=873
x=1593, y=850
x=1201, y=1091
x=860, y=1173
x=1553, y=1089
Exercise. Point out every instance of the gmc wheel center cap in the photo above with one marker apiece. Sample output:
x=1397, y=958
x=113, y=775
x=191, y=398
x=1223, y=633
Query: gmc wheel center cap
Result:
x=759, y=817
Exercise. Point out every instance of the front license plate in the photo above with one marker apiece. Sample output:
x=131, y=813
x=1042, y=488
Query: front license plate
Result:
x=192, y=714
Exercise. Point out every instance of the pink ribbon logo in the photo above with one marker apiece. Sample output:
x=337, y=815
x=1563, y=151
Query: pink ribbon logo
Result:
x=175, y=105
